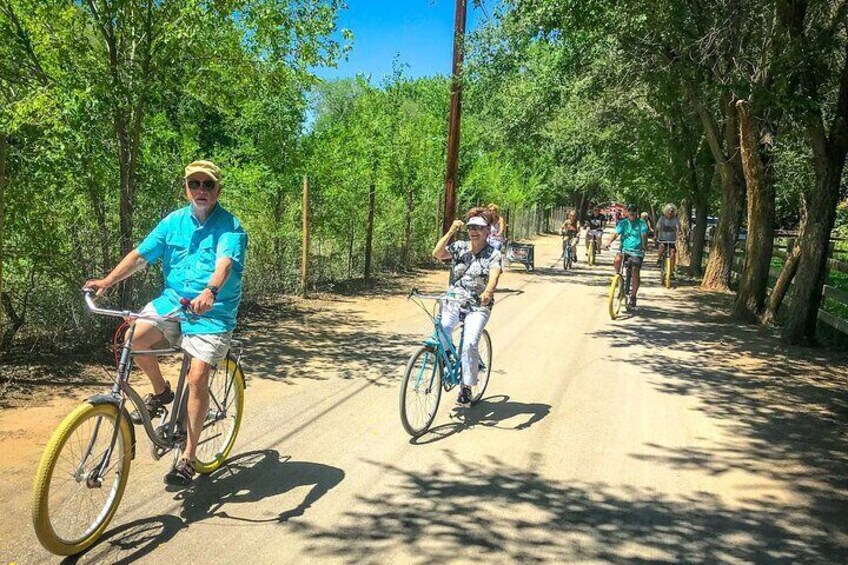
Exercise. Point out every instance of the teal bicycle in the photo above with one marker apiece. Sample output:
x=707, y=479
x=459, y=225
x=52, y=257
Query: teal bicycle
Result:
x=437, y=365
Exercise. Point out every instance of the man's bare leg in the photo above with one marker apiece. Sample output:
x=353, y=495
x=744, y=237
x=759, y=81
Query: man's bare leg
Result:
x=198, y=404
x=146, y=336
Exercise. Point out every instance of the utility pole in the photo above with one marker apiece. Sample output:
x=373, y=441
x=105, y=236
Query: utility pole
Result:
x=455, y=114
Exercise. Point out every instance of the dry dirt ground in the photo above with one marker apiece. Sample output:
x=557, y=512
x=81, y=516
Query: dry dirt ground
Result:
x=675, y=435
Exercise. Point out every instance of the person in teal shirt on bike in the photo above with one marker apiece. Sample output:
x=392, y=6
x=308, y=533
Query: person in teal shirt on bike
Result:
x=634, y=240
x=202, y=248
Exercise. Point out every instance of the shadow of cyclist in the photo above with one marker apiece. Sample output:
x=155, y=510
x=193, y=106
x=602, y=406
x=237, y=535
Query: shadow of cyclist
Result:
x=252, y=477
x=131, y=541
x=492, y=412
x=248, y=477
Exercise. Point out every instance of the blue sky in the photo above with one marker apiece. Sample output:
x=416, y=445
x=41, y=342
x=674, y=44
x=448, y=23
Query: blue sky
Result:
x=419, y=31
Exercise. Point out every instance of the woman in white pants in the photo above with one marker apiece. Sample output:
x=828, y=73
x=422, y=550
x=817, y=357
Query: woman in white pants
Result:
x=475, y=271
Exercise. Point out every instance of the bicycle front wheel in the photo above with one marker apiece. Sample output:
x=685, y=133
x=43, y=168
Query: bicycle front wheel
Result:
x=420, y=391
x=615, y=293
x=485, y=350
x=223, y=419
x=73, y=501
x=667, y=272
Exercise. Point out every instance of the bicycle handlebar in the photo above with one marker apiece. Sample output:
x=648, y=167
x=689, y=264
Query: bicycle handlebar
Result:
x=442, y=297
x=89, y=294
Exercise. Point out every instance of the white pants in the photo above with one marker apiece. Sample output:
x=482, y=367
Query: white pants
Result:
x=475, y=321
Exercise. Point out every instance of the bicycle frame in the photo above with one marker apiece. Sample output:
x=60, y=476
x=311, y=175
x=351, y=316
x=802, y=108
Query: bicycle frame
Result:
x=453, y=373
x=627, y=274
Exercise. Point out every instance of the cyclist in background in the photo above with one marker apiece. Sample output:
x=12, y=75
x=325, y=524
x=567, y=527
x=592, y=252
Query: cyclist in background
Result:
x=647, y=219
x=475, y=271
x=595, y=228
x=570, y=229
x=634, y=237
x=668, y=226
x=497, y=231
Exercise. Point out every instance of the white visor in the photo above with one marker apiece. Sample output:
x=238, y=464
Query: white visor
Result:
x=477, y=221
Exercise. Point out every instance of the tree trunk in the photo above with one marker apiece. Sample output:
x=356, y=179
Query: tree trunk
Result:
x=584, y=206
x=3, y=151
x=699, y=236
x=14, y=320
x=684, y=237
x=98, y=206
x=759, y=244
x=726, y=155
x=369, y=233
x=781, y=286
x=829, y=151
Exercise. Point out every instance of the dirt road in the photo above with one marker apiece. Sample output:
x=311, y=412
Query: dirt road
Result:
x=672, y=436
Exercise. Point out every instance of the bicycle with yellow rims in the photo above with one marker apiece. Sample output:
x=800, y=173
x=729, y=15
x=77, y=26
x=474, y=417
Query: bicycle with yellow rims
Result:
x=84, y=468
x=619, y=291
x=665, y=265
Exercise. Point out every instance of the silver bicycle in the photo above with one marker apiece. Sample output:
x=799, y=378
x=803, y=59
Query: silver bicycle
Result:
x=85, y=466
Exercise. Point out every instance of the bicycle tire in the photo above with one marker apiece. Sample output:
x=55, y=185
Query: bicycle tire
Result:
x=61, y=543
x=615, y=295
x=235, y=378
x=485, y=349
x=667, y=272
x=434, y=387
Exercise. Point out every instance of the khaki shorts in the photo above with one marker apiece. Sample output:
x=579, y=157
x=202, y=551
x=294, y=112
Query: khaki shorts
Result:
x=209, y=348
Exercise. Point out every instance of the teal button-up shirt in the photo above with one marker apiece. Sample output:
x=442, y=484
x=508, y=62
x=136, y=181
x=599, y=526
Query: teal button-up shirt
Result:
x=189, y=250
x=631, y=236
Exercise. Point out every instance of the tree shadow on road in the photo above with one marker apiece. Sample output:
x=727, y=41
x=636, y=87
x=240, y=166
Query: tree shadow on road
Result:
x=288, y=343
x=785, y=408
x=498, y=512
x=491, y=412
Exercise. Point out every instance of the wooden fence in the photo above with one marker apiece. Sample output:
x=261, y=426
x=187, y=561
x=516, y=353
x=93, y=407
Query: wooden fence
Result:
x=832, y=290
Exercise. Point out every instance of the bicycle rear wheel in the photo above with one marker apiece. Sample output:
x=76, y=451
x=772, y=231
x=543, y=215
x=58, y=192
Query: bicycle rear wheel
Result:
x=615, y=293
x=420, y=391
x=72, y=503
x=485, y=350
x=223, y=419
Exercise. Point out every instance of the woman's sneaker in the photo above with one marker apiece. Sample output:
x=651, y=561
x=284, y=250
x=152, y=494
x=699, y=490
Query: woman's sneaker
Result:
x=464, y=395
x=154, y=404
x=181, y=475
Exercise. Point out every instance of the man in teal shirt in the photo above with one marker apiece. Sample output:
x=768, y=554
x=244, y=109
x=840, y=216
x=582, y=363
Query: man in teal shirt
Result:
x=202, y=248
x=634, y=240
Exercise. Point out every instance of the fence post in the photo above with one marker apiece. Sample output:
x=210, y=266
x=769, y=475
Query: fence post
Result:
x=369, y=234
x=304, y=259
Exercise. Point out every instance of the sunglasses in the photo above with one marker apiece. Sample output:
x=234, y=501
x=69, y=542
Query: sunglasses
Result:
x=475, y=228
x=208, y=185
